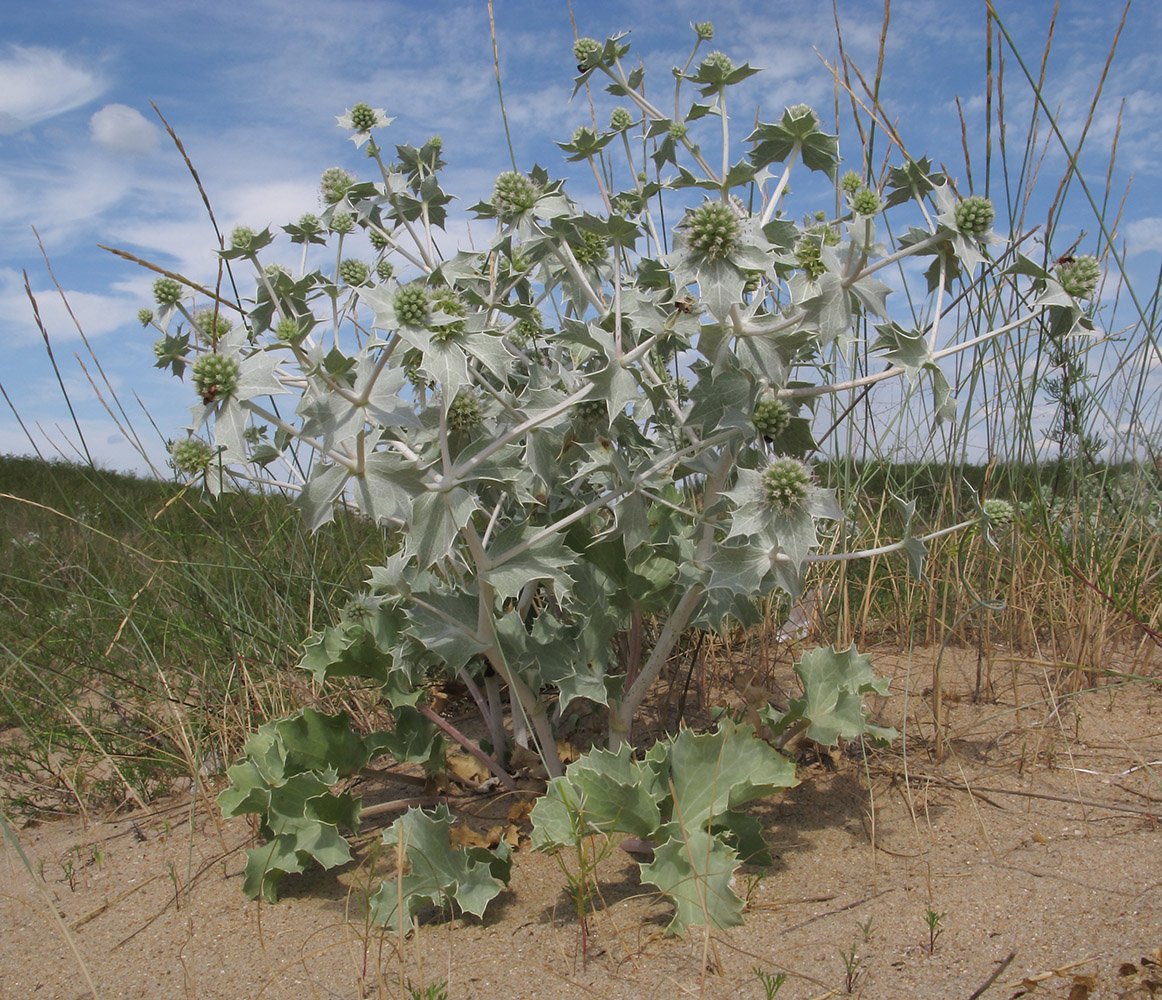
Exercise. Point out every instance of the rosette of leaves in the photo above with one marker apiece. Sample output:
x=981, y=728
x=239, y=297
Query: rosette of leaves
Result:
x=435, y=873
x=685, y=798
x=286, y=778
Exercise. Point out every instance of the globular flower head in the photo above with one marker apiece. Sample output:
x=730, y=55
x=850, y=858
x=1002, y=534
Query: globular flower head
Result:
x=363, y=117
x=465, y=413
x=678, y=130
x=513, y=194
x=999, y=512
x=771, y=417
x=384, y=269
x=342, y=222
x=1079, y=276
x=583, y=50
x=593, y=248
x=167, y=292
x=288, y=331
x=241, y=238
x=449, y=302
x=865, y=202
x=191, y=456
x=378, y=240
x=214, y=327
x=215, y=376
x=851, y=182
x=354, y=272
x=620, y=119
x=161, y=350
x=785, y=484
x=719, y=61
x=334, y=185
x=145, y=316
x=526, y=330
x=713, y=230
x=704, y=30
x=974, y=216
x=809, y=254
x=411, y=305
x=591, y=413
x=309, y=222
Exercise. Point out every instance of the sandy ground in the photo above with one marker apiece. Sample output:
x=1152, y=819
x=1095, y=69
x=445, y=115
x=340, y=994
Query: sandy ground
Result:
x=1036, y=841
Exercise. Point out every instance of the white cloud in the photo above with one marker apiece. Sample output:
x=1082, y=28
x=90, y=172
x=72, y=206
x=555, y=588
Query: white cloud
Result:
x=97, y=314
x=37, y=83
x=122, y=129
x=1143, y=235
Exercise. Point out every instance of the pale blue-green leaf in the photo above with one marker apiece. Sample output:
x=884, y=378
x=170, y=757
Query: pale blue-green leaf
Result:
x=256, y=376
x=694, y=869
x=435, y=524
x=317, y=499
x=738, y=568
x=546, y=560
x=230, y=430
x=387, y=487
x=943, y=402
x=834, y=684
x=872, y=293
x=446, y=363
x=720, y=286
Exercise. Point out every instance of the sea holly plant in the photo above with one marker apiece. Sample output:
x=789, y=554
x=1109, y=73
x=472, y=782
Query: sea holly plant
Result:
x=586, y=436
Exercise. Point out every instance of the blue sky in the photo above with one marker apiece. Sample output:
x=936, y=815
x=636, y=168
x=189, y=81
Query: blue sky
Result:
x=253, y=87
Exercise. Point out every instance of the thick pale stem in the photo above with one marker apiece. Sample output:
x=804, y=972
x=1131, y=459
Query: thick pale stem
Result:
x=621, y=715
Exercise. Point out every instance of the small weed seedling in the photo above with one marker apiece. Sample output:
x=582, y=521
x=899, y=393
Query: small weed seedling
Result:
x=771, y=984
x=865, y=930
x=852, y=968
x=935, y=922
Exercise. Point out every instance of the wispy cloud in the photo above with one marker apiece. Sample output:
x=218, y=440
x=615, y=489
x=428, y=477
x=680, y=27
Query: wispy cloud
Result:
x=39, y=83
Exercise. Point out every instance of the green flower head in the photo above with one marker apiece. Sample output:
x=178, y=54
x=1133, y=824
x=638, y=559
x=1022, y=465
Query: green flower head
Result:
x=363, y=117
x=215, y=376
x=785, y=484
x=865, y=202
x=771, y=417
x=378, y=240
x=167, y=292
x=214, y=328
x=384, y=269
x=620, y=119
x=145, y=316
x=999, y=512
x=704, y=30
x=354, y=272
x=342, y=222
x=1079, y=276
x=851, y=182
x=809, y=254
x=465, y=413
x=288, y=331
x=719, y=61
x=585, y=49
x=713, y=230
x=191, y=456
x=411, y=305
x=334, y=185
x=241, y=238
x=513, y=194
x=592, y=250
x=591, y=413
x=974, y=216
